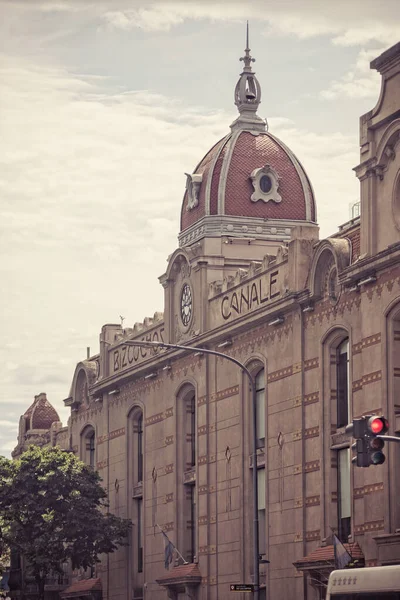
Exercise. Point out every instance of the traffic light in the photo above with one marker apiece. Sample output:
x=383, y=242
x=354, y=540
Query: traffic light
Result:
x=367, y=445
x=376, y=426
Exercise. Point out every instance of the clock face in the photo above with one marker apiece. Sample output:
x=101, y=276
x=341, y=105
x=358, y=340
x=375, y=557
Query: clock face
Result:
x=186, y=304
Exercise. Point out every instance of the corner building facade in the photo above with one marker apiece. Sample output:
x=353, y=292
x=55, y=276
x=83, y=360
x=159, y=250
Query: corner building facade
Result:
x=317, y=322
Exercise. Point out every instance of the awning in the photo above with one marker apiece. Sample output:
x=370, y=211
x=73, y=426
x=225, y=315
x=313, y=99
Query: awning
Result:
x=324, y=557
x=183, y=574
x=90, y=588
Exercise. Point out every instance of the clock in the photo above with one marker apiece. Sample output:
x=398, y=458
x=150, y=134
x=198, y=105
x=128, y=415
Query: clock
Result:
x=186, y=304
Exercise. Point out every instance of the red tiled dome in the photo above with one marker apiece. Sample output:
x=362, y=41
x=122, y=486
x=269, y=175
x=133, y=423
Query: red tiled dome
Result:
x=41, y=414
x=226, y=187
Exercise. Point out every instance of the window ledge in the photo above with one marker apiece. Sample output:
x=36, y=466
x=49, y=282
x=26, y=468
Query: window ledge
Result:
x=260, y=458
x=340, y=439
x=137, y=491
x=189, y=477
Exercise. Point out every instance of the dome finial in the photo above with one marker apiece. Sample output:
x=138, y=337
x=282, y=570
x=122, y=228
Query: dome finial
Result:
x=248, y=94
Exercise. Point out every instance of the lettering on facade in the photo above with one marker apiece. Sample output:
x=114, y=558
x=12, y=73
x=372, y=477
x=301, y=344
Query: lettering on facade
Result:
x=250, y=296
x=127, y=356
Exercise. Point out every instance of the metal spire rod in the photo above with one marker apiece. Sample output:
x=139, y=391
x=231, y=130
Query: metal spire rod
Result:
x=247, y=58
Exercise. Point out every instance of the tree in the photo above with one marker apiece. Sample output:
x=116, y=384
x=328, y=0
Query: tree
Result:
x=4, y=557
x=53, y=509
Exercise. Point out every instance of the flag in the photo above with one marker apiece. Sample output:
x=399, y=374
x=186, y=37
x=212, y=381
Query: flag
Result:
x=168, y=550
x=342, y=557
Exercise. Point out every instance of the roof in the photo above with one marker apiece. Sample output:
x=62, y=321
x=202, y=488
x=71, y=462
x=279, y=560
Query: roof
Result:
x=41, y=414
x=226, y=186
x=189, y=573
x=326, y=555
x=82, y=587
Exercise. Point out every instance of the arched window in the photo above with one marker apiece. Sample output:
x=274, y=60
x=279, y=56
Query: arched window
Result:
x=342, y=383
x=136, y=473
x=140, y=448
x=136, y=449
x=337, y=411
x=260, y=398
x=88, y=446
x=186, y=464
x=91, y=449
x=259, y=378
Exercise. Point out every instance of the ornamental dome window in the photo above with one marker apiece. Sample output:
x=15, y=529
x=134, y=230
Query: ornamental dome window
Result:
x=265, y=182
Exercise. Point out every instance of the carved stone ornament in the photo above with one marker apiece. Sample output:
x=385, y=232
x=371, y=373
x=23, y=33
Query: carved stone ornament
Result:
x=193, y=183
x=265, y=181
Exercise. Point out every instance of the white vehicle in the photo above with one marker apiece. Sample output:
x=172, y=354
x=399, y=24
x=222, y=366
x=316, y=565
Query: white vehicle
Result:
x=370, y=583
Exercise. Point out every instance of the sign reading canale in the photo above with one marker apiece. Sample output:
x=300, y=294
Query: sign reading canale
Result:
x=250, y=296
x=126, y=356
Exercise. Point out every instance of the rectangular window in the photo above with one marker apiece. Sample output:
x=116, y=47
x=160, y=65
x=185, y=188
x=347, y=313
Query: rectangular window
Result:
x=193, y=431
x=140, y=449
x=193, y=520
x=261, y=511
x=344, y=495
x=139, y=539
x=260, y=410
x=91, y=449
x=342, y=384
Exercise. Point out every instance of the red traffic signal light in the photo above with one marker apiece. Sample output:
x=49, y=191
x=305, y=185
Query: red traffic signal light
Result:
x=367, y=432
x=378, y=425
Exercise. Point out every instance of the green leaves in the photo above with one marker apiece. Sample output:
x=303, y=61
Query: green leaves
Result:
x=52, y=509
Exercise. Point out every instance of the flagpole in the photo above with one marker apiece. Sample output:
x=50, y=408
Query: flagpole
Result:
x=185, y=562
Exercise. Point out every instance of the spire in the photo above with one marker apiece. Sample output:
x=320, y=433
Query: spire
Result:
x=247, y=59
x=248, y=94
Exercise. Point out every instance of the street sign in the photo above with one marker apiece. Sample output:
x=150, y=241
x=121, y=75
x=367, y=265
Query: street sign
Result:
x=242, y=587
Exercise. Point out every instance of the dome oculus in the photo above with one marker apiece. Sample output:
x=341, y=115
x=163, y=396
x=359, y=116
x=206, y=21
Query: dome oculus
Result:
x=186, y=304
x=265, y=182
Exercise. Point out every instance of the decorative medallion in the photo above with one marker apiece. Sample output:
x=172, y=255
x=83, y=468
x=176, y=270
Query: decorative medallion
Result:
x=265, y=181
x=186, y=304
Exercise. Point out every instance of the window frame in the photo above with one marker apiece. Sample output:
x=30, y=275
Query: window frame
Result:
x=343, y=383
x=88, y=446
x=260, y=406
x=344, y=522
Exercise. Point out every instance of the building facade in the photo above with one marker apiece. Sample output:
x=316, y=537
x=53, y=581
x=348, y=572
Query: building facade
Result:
x=316, y=322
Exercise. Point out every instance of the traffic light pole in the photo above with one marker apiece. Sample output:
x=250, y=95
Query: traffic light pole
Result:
x=389, y=438
x=256, y=542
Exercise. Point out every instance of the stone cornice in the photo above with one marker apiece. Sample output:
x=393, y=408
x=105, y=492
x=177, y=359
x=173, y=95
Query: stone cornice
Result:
x=274, y=230
x=365, y=265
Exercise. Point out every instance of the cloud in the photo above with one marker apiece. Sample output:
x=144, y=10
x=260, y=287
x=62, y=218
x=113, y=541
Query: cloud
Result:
x=359, y=82
x=11, y=425
x=150, y=19
x=346, y=23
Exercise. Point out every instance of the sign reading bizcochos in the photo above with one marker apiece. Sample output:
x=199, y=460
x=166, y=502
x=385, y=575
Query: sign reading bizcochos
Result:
x=126, y=356
x=247, y=297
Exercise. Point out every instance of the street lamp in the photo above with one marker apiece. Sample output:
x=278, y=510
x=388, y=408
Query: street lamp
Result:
x=256, y=543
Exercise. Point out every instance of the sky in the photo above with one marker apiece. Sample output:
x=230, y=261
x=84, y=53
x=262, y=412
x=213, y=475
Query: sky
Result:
x=104, y=105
